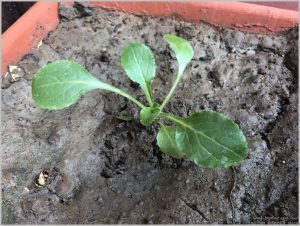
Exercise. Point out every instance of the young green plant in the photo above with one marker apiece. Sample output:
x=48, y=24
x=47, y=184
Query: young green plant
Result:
x=208, y=138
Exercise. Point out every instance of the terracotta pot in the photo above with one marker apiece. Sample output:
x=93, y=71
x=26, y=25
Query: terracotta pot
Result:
x=28, y=31
x=42, y=18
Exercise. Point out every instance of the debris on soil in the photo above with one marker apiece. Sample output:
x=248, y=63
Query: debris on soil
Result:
x=94, y=168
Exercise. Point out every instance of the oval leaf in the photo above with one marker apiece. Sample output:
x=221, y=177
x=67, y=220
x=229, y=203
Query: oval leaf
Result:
x=210, y=139
x=182, y=49
x=139, y=64
x=166, y=141
x=148, y=115
x=60, y=84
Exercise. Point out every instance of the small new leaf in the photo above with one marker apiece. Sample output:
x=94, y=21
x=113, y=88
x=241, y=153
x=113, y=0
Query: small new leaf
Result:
x=139, y=64
x=210, y=139
x=125, y=118
x=148, y=115
x=182, y=49
x=166, y=141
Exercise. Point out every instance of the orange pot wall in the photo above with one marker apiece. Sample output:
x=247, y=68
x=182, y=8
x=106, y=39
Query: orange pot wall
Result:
x=238, y=15
x=33, y=26
x=28, y=31
x=290, y=5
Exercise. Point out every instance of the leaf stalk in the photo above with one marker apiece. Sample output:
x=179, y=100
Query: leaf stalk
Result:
x=168, y=97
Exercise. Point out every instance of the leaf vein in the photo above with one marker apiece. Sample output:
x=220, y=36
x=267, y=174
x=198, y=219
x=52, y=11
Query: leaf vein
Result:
x=204, y=135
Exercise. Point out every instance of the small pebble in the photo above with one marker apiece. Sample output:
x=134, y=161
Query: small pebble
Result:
x=40, y=43
x=99, y=200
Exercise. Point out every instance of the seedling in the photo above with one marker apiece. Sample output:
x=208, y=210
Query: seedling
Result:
x=208, y=138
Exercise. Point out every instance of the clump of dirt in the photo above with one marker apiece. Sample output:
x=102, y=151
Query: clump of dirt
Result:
x=105, y=170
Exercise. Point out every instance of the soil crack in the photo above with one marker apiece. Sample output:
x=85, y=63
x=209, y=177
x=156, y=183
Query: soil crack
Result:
x=194, y=207
x=261, y=48
x=271, y=125
x=231, y=193
x=265, y=138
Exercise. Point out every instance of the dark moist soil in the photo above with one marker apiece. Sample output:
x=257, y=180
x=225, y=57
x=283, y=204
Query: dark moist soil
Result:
x=105, y=170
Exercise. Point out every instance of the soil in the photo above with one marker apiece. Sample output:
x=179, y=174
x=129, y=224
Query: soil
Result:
x=105, y=170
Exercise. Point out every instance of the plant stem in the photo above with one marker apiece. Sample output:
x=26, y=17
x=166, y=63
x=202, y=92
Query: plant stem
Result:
x=170, y=93
x=171, y=118
x=149, y=98
x=122, y=93
x=168, y=116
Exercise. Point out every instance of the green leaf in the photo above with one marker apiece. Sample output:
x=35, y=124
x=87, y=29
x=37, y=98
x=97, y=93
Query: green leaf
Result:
x=125, y=118
x=139, y=64
x=182, y=49
x=184, y=53
x=149, y=114
x=60, y=84
x=166, y=141
x=210, y=139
